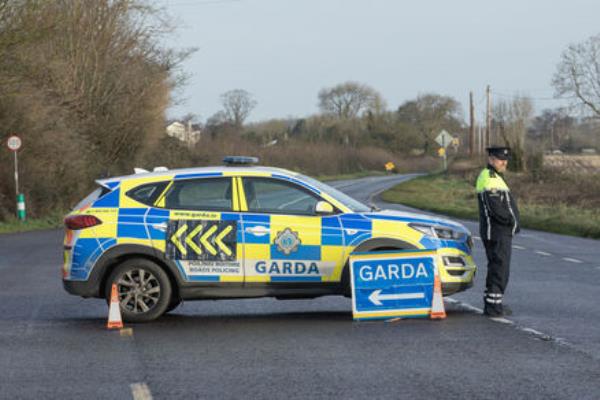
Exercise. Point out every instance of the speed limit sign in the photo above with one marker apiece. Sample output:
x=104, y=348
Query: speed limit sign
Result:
x=14, y=143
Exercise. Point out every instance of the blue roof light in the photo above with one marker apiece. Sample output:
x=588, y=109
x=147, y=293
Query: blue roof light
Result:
x=240, y=160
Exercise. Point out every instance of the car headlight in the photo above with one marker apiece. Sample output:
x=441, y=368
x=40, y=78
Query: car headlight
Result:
x=439, y=232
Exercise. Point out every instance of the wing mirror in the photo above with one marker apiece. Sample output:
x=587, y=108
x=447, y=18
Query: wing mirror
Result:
x=323, y=208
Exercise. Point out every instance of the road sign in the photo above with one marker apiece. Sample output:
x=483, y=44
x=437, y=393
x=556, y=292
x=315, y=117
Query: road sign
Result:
x=441, y=152
x=389, y=166
x=444, y=138
x=390, y=284
x=14, y=143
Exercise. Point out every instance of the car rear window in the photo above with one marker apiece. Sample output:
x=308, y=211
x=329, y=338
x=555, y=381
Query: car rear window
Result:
x=147, y=193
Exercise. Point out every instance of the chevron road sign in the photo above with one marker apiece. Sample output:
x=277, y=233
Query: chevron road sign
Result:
x=204, y=240
x=390, y=284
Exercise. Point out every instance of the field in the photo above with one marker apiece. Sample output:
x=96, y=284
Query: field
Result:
x=555, y=200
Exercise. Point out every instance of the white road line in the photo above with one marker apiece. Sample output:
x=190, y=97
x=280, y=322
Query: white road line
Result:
x=542, y=253
x=531, y=331
x=516, y=246
x=140, y=391
x=573, y=260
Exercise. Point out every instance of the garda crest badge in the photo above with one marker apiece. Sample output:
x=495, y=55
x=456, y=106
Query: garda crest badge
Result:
x=287, y=241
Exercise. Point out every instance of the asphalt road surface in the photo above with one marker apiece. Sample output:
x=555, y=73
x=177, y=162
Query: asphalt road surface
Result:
x=54, y=345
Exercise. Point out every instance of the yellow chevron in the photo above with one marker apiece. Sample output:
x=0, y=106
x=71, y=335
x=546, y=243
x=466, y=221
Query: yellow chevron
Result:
x=220, y=237
x=190, y=240
x=176, y=242
x=204, y=241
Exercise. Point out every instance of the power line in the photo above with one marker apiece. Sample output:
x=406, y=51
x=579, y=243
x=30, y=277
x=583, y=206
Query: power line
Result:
x=512, y=96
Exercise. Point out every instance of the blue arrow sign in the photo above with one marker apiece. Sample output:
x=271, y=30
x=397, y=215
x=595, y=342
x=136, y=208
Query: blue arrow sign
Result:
x=392, y=284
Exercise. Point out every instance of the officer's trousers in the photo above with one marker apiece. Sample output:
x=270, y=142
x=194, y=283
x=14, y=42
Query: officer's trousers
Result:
x=498, y=253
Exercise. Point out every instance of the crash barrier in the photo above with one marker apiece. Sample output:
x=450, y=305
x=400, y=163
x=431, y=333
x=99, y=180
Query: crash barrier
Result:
x=396, y=284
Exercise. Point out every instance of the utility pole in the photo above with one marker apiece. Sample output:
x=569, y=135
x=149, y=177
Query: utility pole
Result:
x=472, y=125
x=488, y=117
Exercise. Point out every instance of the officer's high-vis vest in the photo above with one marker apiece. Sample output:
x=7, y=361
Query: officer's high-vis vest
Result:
x=498, y=212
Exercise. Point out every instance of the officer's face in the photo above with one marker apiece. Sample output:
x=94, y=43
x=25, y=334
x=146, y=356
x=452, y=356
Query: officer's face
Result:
x=499, y=165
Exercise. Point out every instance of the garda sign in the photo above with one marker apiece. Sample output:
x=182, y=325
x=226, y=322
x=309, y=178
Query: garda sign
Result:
x=392, y=284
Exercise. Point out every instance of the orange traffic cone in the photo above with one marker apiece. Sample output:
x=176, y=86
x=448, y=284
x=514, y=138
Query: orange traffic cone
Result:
x=437, y=303
x=114, y=311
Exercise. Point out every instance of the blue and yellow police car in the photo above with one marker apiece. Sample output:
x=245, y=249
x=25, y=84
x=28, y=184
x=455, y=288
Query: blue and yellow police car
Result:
x=236, y=231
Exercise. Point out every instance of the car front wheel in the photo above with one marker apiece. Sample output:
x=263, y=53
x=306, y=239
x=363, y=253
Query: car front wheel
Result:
x=143, y=287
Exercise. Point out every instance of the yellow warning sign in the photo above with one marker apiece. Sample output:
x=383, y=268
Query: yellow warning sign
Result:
x=389, y=166
x=441, y=152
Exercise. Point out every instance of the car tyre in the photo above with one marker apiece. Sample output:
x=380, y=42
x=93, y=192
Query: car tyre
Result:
x=173, y=304
x=144, y=289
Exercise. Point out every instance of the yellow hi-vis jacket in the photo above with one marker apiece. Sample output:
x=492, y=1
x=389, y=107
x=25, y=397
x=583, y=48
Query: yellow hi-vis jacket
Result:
x=498, y=211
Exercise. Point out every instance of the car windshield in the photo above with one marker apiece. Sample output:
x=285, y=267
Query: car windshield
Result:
x=354, y=205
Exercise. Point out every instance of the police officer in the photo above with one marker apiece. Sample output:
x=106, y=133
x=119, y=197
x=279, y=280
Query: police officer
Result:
x=498, y=223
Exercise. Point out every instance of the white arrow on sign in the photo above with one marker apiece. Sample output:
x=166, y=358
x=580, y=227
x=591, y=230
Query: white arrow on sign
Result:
x=376, y=297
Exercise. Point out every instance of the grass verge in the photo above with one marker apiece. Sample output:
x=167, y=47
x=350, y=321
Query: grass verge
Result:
x=456, y=197
x=13, y=225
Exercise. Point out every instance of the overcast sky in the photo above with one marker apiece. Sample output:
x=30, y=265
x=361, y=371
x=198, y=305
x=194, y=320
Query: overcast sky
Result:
x=285, y=51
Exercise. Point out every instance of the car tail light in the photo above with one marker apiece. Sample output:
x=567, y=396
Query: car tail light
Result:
x=77, y=222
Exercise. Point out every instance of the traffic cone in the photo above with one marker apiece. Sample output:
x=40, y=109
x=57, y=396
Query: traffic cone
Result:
x=114, y=311
x=437, y=303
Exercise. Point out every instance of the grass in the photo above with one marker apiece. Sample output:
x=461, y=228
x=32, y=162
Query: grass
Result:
x=13, y=225
x=456, y=197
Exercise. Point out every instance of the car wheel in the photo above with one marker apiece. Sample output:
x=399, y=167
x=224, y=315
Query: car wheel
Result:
x=144, y=289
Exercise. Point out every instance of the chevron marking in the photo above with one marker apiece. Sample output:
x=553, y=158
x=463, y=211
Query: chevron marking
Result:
x=204, y=240
x=219, y=238
x=176, y=242
x=190, y=240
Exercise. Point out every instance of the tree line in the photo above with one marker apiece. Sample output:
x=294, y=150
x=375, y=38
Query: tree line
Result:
x=86, y=85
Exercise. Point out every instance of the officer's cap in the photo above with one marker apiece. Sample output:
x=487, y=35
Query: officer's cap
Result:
x=501, y=153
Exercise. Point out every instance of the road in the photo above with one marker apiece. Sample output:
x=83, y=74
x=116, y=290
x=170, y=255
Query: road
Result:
x=55, y=345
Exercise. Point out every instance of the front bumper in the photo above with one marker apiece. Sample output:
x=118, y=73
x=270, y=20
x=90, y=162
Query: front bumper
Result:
x=457, y=270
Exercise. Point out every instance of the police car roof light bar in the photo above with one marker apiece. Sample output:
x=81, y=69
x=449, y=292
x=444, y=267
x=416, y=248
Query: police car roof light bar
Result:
x=240, y=160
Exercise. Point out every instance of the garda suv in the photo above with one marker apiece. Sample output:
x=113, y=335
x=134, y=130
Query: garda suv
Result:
x=236, y=231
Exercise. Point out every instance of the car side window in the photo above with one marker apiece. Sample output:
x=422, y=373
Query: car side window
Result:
x=212, y=194
x=148, y=193
x=273, y=196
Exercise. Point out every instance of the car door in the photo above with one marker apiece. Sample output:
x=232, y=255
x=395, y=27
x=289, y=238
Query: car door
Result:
x=202, y=229
x=284, y=239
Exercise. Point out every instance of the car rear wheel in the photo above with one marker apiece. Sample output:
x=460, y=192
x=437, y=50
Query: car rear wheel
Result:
x=144, y=289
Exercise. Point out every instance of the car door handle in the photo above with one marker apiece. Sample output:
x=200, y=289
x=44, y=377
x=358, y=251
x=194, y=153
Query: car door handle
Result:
x=258, y=230
x=160, y=227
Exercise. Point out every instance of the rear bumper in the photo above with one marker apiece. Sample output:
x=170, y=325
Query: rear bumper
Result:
x=81, y=288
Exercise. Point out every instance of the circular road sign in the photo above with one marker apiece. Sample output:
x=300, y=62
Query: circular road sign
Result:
x=14, y=143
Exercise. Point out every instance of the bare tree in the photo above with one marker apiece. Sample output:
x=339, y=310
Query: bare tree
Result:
x=511, y=119
x=578, y=73
x=349, y=100
x=237, y=105
x=428, y=114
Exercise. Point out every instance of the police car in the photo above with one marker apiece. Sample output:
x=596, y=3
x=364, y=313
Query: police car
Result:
x=236, y=231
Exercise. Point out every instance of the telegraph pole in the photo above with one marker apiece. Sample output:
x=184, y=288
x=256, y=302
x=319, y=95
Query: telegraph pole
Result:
x=472, y=125
x=488, y=117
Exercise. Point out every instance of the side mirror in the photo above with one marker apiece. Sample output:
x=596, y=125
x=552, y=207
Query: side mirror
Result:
x=323, y=208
